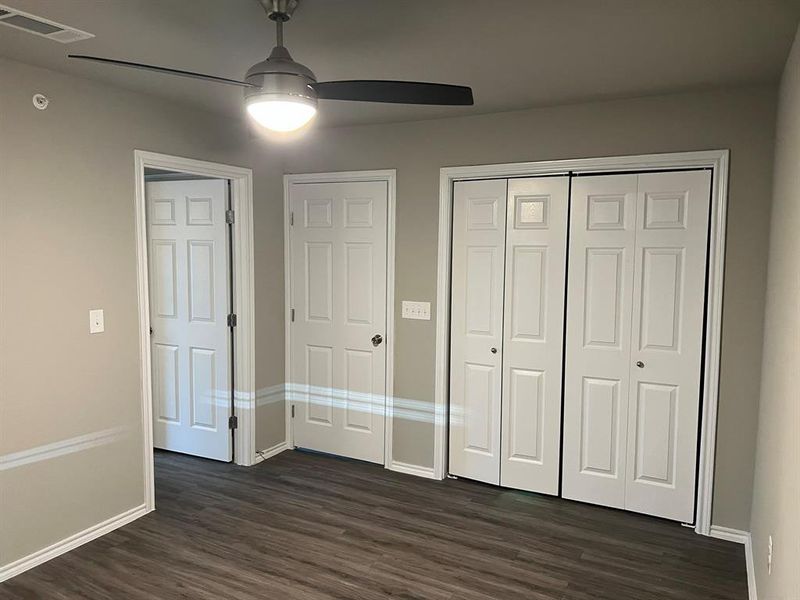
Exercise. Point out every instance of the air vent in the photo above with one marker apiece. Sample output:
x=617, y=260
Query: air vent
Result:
x=40, y=26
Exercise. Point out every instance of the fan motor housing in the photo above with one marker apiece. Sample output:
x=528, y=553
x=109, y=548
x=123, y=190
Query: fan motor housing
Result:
x=280, y=75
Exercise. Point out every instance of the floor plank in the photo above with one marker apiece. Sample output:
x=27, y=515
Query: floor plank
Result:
x=305, y=526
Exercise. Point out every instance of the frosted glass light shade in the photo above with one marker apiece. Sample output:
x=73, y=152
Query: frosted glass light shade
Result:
x=282, y=113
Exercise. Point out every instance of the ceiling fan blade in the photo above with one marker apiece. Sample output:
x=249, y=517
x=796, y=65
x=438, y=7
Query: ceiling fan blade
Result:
x=398, y=92
x=167, y=71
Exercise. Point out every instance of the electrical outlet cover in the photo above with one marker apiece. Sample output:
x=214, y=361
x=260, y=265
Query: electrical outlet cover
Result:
x=96, y=321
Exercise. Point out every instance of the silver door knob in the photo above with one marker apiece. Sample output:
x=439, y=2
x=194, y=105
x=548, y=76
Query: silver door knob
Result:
x=377, y=339
x=494, y=350
x=640, y=364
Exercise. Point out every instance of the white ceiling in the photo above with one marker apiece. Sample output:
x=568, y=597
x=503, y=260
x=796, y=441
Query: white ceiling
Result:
x=514, y=53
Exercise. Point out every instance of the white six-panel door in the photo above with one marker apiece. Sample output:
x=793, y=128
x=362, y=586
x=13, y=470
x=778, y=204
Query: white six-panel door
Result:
x=188, y=282
x=634, y=334
x=476, y=328
x=338, y=274
x=666, y=342
x=509, y=254
x=533, y=332
x=599, y=299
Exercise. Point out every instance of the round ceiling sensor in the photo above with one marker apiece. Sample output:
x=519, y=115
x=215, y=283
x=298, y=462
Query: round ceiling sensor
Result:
x=40, y=101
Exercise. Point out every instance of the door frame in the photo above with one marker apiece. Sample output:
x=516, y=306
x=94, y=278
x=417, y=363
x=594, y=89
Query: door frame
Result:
x=717, y=161
x=390, y=177
x=241, y=186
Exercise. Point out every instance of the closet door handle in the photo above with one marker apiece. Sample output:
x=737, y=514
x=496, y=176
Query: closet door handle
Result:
x=493, y=350
x=640, y=364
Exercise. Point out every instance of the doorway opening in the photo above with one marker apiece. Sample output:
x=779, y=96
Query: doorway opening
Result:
x=195, y=289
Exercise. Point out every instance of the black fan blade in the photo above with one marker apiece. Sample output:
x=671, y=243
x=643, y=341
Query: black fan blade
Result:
x=133, y=65
x=398, y=92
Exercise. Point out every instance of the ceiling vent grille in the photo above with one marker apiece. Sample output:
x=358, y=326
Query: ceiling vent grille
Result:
x=40, y=26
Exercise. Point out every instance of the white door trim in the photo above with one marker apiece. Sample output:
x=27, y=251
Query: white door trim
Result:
x=714, y=159
x=244, y=303
x=390, y=177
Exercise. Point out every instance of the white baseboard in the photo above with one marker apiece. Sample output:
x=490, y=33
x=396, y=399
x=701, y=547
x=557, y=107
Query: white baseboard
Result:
x=740, y=537
x=262, y=455
x=410, y=469
x=731, y=535
x=87, y=535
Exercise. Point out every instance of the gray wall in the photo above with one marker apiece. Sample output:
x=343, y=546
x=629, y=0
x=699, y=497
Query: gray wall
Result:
x=739, y=119
x=776, y=496
x=67, y=245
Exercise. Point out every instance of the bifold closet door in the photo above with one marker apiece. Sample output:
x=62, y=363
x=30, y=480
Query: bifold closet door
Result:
x=667, y=343
x=599, y=298
x=476, y=322
x=635, y=306
x=533, y=333
x=507, y=307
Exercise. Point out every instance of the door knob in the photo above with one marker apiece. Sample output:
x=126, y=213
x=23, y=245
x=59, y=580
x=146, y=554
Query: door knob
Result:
x=494, y=350
x=377, y=339
x=640, y=364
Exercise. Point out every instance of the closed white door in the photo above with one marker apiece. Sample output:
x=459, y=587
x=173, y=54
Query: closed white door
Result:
x=476, y=328
x=666, y=342
x=533, y=332
x=634, y=335
x=599, y=299
x=338, y=351
x=190, y=342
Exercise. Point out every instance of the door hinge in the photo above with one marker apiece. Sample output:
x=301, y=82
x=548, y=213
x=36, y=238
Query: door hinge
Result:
x=230, y=216
x=291, y=316
x=233, y=422
x=232, y=320
x=293, y=411
x=291, y=218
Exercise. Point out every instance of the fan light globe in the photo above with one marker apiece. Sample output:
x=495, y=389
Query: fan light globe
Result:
x=281, y=113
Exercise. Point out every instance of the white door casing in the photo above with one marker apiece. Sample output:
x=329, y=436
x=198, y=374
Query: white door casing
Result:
x=635, y=307
x=533, y=332
x=338, y=275
x=717, y=161
x=190, y=342
x=479, y=231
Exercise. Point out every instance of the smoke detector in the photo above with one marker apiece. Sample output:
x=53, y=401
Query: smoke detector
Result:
x=41, y=26
x=41, y=101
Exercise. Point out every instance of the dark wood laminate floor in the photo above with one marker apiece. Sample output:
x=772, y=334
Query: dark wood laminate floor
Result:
x=304, y=526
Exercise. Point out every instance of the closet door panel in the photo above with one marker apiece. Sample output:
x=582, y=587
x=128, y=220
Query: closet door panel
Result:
x=535, y=263
x=479, y=209
x=599, y=311
x=668, y=307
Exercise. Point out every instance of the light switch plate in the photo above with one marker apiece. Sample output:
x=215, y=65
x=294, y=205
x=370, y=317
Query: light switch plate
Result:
x=417, y=310
x=96, y=321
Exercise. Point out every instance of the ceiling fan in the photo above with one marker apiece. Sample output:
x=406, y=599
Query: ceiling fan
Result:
x=282, y=94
